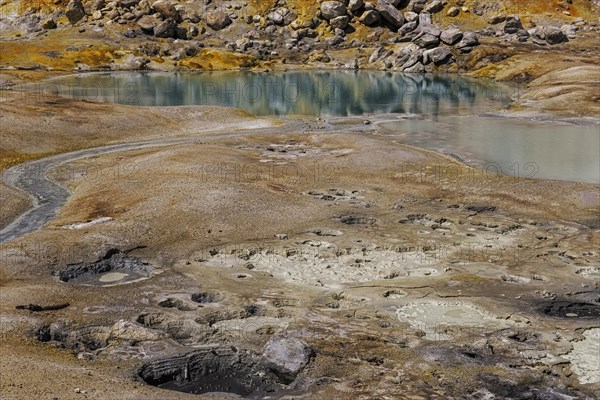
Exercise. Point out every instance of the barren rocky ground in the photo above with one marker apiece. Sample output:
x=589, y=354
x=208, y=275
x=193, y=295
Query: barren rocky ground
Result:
x=213, y=251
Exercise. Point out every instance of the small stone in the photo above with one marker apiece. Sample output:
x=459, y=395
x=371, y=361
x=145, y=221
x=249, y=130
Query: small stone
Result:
x=49, y=24
x=453, y=11
x=281, y=236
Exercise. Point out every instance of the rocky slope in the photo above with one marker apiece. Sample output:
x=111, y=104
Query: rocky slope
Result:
x=510, y=41
x=410, y=36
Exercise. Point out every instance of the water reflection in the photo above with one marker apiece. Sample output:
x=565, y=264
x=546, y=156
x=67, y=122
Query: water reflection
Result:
x=546, y=150
x=323, y=93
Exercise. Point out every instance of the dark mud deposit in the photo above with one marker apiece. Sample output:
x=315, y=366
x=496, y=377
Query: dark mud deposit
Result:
x=114, y=260
x=225, y=370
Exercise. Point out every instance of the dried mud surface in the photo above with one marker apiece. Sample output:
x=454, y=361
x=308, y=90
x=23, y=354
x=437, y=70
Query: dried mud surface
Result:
x=404, y=281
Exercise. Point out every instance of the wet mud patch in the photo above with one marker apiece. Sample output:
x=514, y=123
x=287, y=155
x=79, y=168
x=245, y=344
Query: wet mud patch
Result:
x=570, y=309
x=219, y=370
x=207, y=297
x=114, y=267
x=441, y=320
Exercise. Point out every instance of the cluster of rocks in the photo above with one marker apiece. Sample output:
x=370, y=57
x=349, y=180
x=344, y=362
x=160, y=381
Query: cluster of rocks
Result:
x=512, y=26
x=429, y=43
x=282, y=28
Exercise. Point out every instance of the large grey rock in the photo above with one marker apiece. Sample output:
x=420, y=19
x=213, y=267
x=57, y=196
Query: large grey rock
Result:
x=333, y=9
x=468, y=41
x=287, y=357
x=430, y=29
x=355, y=5
x=74, y=11
x=437, y=56
x=569, y=30
x=512, y=24
x=166, y=9
x=408, y=27
x=451, y=36
x=417, y=6
x=418, y=68
x=165, y=29
x=390, y=13
x=554, y=35
x=128, y=3
x=339, y=22
x=434, y=6
x=424, y=18
x=370, y=18
x=217, y=20
x=276, y=17
x=147, y=23
x=427, y=41
x=411, y=16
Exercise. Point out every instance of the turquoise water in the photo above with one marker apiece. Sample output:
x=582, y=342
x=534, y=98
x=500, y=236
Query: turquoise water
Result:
x=434, y=111
x=323, y=93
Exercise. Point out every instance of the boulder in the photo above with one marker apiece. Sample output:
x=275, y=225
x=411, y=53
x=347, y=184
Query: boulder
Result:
x=430, y=29
x=407, y=27
x=427, y=41
x=128, y=3
x=287, y=357
x=355, y=5
x=147, y=23
x=437, y=56
x=496, y=19
x=276, y=17
x=74, y=11
x=49, y=24
x=416, y=6
x=554, y=35
x=166, y=9
x=165, y=29
x=468, y=41
x=433, y=7
x=411, y=16
x=333, y=9
x=512, y=24
x=414, y=58
x=217, y=20
x=339, y=22
x=451, y=36
x=424, y=18
x=370, y=18
x=569, y=30
x=390, y=13
x=453, y=11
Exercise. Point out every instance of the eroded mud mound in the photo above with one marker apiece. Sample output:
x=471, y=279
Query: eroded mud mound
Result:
x=224, y=370
x=114, y=267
